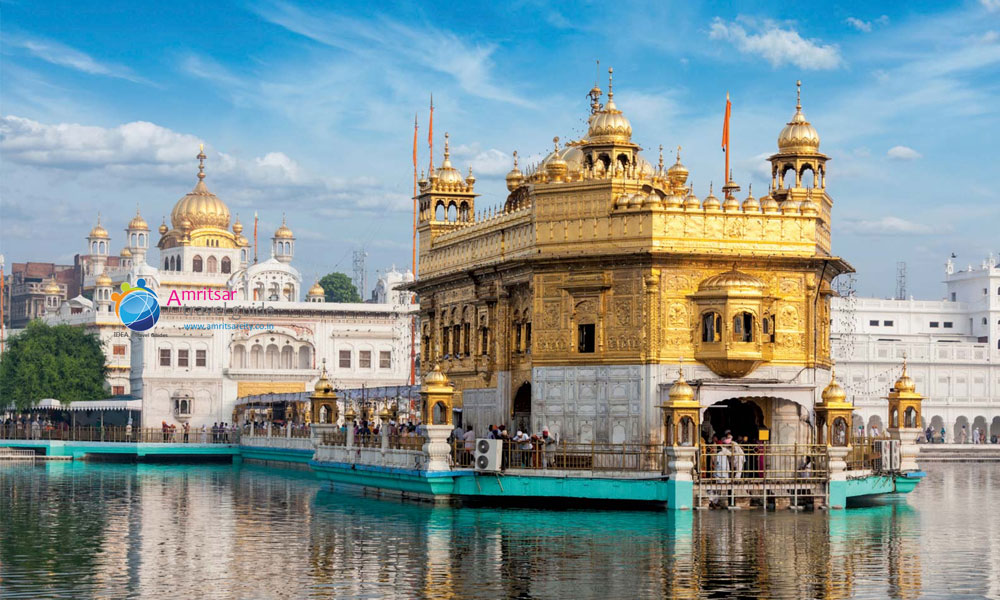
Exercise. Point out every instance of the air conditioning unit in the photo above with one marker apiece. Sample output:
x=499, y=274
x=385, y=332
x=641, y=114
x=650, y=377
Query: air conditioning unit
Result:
x=889, y=451
x=487, y=455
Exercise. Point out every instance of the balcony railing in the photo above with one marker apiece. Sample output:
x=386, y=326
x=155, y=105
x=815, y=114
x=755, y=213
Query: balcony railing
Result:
x=768, y=462
x=571, y=456
x=175, y=435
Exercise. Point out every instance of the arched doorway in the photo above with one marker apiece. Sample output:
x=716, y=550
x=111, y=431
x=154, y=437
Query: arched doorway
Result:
x=522, y=407
x=739, y=416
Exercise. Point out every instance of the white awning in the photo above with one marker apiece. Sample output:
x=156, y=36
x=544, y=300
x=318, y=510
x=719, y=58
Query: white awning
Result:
x=103, y=405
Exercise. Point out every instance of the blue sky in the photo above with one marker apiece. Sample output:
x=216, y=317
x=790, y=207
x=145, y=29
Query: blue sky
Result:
x=307, y=109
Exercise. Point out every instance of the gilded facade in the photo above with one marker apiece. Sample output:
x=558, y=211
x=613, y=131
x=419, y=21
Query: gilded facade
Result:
x=571, y=306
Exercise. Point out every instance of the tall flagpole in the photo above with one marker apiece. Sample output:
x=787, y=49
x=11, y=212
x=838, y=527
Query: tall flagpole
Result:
x=255, y=237
x=413, y=269
x=430, y=138
x=725, y=138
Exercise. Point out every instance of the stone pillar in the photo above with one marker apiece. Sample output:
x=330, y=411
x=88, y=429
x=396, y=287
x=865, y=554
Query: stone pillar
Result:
x=437, y=448
x=350, y=435
x=908, y=448
x=838, y=476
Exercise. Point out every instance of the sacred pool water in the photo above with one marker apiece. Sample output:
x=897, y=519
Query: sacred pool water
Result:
x=81, y=530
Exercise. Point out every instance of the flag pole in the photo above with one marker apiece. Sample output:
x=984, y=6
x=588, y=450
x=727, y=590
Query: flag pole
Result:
x=413, y=269
x=255, y=237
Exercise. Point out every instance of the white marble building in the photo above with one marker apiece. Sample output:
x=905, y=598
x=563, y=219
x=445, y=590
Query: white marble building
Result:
x=205, y=353
x=952, y=346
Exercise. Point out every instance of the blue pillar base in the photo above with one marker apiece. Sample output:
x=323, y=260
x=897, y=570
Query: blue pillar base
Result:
x=680, y=495
x=838, y=494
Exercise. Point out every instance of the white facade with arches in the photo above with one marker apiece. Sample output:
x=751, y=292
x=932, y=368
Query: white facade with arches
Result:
x=952, y=347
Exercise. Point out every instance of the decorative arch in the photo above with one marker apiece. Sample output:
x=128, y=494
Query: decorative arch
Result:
x=227, y=265
x=196, y=264
x=212, y=264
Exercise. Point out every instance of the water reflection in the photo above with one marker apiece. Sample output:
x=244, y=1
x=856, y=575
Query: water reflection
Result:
x=77, y=529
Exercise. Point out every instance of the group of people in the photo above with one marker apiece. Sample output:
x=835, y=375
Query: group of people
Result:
x=729, y=458
x=23, y=427
x=221, y=433
x=523, y=449
x=979, y=436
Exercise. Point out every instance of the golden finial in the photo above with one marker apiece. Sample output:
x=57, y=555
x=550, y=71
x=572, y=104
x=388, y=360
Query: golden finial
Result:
x=798, y=95
x=201, y=161
x=447, y=151
x=555, y=141
x=661, y=157
x=750, y=189
x=678, y=155
x=611, y=73
x=515, y=159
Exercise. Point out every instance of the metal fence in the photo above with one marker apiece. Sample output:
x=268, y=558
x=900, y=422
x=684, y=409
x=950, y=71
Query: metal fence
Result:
x=396, y=442
x=570, y=456
x=728, y=474
x=175, y=435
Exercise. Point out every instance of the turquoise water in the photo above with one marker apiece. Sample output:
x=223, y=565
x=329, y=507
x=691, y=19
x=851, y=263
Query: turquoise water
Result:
x=91, y=530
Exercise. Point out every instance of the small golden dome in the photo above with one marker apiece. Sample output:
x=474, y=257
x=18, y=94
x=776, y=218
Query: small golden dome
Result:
x=733, y=280
x=200, y=207
x=692, y=202
x=316, y=290
x=163, y=227
x=52, y=288
x=809, y=207
x=681, y=391
x=798, y=135
x=470, y=179
x=554, y=165
x=833, y=393
x=731, y=204
x=138, y=222
x=677, y=173
x=242, y=241
x=283, y=232
x=126, y=253
x=384, y=414
x=711, y=202
x=673, y=201
x=751, y=204
x=789, y=206
x=769, y=205
x=609, y=124
x=447, y=173
x=237, y=227
x=103, y=280
x=99, y=231
x=905, y=382
x=622, y=201
x=436, y=377
x=514, y=177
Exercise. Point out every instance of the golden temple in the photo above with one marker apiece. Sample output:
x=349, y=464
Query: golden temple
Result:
x=570, y=306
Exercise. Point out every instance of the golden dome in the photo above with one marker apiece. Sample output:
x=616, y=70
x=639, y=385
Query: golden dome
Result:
x=789, y=206
x=711, y=202
x=673, y=201
x=237, y=227
x=52, y=288
x=731, y=204
x=470, y=179
x=447, y=173
x=677, y=173
x=905, y=382
x=514, y=177
x=283, y=232
x=200, y=206
x=138, y=222
x=316, y=290
x=833, y=393
x=436, y=377
x=733, y=280
x=681, y=391
x=323, y=387
x=126, y=253
x=99, y=231
x=809, y=207
x=635, y=200
x=242, y=241
x=163, y=227
x=609, y=124
x=751, y=204
x=798, y=135
x=692, y=202
x=103, y=280
x=554, y=165
x=769, y=204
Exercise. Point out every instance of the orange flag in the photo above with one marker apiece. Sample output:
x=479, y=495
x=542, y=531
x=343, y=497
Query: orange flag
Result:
x=725, y=125
x=414, y=142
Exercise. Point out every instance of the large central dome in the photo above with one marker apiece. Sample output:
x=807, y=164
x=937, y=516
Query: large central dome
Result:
x=200, y=207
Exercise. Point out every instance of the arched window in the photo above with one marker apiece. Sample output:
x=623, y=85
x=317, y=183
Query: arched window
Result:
x=227, y=265
x=452, y=212
x=212, y=264
x=711, y=327
x=743, y=327
x=142, y=240
x=839, y=432
x=196, y=264
x=239, y=360
x=287, y=357
x=305, y=359
x=257, y=357
x=440, y=212
x=767, y=328
x=166, y=264
x=271, y=357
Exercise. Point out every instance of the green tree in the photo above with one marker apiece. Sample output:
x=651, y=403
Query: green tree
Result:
x=338, y=288
x=62, y=362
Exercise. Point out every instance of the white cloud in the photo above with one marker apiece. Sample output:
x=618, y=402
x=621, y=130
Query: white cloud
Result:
x=778, y=46
x=858, y=24
x=903, y=153
x=387, y=41
x=990, y=5
x=888, y=226
x=65, y=56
